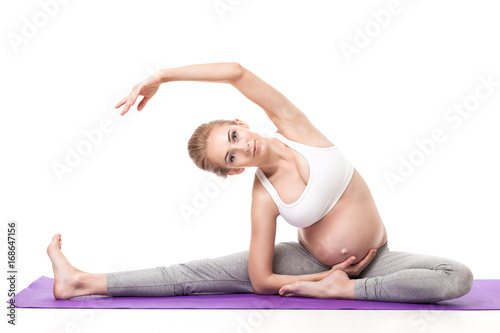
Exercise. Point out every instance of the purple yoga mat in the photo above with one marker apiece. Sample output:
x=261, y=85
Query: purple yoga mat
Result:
x=485, y=295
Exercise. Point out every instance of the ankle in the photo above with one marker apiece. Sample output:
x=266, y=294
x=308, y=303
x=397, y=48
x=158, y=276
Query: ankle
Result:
x=81, y=280
x=348, y=290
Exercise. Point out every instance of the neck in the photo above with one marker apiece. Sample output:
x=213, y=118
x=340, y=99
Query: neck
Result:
x=276, y=157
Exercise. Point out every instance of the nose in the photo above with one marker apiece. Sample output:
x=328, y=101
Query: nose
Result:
x=245, y=147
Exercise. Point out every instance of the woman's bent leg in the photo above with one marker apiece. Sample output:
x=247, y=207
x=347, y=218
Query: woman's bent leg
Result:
x=406, y=277
x=226, y=274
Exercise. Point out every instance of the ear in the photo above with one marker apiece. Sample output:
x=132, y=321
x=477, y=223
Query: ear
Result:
x=236, y=171
x=242, y=123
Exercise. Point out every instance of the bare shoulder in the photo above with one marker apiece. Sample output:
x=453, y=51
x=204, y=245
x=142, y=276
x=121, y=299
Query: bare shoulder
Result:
x=262, y=202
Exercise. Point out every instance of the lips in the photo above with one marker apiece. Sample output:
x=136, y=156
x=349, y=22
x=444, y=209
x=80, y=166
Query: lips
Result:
x=254, y=147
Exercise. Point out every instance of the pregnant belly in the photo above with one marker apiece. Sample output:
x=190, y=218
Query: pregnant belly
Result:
x=351, y=228
x=337, y=241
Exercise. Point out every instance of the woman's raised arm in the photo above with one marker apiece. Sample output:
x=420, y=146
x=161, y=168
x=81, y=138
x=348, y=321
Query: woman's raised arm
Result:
x=277, y=107
x=225, y=72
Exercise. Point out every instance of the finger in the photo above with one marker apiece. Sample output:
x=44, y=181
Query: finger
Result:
x=346, y=263
x=135, y=94
x=366, y=260
x=125, y=110
x=143, y=103
x=356, y=269
x=121, y=102
x=370, y=255
x=130, y=101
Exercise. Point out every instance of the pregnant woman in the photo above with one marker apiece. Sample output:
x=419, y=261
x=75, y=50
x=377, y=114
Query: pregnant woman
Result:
x=342, y=250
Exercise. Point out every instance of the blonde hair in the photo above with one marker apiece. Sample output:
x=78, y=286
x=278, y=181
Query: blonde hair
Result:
x=197, y=147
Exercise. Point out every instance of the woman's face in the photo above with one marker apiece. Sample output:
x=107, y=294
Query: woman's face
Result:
x=233, y=147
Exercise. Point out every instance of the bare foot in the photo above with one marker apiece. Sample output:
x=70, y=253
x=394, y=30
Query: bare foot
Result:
x=335, y=285
x=67, y=279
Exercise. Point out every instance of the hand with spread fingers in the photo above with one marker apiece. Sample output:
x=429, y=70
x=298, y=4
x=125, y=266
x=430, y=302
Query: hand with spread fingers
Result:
x=146, y=88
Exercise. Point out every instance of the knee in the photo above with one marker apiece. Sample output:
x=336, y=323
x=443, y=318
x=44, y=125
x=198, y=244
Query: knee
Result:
x=465, y=278
x=459, y=280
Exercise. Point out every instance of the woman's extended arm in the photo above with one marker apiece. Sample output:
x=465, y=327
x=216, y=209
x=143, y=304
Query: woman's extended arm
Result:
x=278, y=108
x=225, y=72
x=222, y=72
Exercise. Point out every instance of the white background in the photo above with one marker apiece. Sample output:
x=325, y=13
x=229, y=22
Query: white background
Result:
x=120, y=208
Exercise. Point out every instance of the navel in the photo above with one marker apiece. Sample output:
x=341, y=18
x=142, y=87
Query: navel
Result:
x=344, y=251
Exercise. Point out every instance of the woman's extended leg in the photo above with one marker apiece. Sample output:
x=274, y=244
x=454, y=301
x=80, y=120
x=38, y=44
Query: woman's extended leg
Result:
x=397, y=277
x=226, y=274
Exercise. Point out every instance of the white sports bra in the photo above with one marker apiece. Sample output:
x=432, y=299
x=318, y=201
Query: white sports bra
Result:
x=329, y=175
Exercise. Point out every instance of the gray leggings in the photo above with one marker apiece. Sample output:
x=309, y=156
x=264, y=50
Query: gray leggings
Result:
x=390, y=277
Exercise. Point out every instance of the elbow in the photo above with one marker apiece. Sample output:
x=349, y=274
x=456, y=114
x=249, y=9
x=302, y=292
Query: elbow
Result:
x=263, y=291
x=236, y=72
x=260, y=288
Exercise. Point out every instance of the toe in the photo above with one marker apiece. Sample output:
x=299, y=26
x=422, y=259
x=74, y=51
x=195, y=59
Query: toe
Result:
x=286, y=289
x=286, y=292
x=288, y=295
x=283, y=290
x=291, y=289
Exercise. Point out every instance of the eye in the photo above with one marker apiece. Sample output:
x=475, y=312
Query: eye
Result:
x=231, y=158
x=234, y=135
